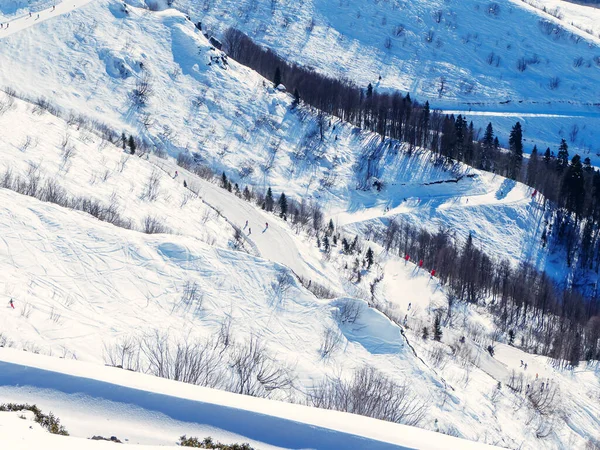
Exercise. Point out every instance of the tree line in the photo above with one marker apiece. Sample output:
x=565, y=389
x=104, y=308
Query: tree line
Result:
x=518, y=295
x=556, y=322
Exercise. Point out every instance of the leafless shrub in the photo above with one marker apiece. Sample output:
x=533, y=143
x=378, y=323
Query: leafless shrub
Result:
x=152, y=225
x=185, y=160
x=438, y=356
x=319, y=290
x=399, y=30
x=370, y=393
x=5, y=341
x=191, y=297
x=429, y=36
x=282, y=284
x=545, y=399
x=187, y=196
x=143, y=90
x=197, y=362
x=54, y=193
x=437, y=15
x=578, y=62
x=521, y=64
x=122, y=163
x=124, y=354
x=348, y=311
x=26, y=310
x=330, y=342
x=554, y=83
x=55, y=316
x=387, y=42
x=151, y=189
x=493, y=9
x=574, y=132
x=257, y=373
x=26, y=144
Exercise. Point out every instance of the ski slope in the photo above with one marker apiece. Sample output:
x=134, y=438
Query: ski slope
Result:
x=459, y=55
x=91, y=400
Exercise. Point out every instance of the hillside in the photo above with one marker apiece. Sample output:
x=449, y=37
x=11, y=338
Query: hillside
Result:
x=462, y=56
x=143, y=227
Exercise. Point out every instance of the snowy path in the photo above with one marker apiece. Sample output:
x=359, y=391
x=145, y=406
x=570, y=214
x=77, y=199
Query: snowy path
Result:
x=91, y=399
x=273, y=242
x=21, y=23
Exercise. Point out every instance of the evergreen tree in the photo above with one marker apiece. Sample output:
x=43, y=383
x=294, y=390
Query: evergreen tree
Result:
x=573, y=192
x=246, y=193
x=326, y=246
x=562, y=159
x=488, y=137
x=516, y=147
x=587, y=165
x=123, y=141
x=277, y=77
x=224, y=181
x=369, y=258
x=437, y=327
x=460, y=127
x=487, y=146
x=425, y=334
x=511, y=337
x=345, y=246
x=132, y=145
x=283, y=206
x=547, y=156
x=296, y=97
x=425, y=119
x=369, y=90
x=496, y=143
x=532, y=167
x=331, y=227
x=269, y=200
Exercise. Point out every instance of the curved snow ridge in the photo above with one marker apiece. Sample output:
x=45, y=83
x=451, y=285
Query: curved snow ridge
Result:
x=273, y=423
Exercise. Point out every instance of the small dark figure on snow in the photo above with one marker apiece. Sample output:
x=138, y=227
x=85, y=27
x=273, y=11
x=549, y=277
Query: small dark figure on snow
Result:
x=246, y=225
x=249, y=231
x=409, y=306
x=11, y=303
x=184, y=184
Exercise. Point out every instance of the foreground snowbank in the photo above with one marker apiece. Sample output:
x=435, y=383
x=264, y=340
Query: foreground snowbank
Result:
x=27, y=377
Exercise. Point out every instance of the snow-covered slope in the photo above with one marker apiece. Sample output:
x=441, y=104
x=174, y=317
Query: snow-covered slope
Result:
x=233, y=120
x=460, y=55
x=80, y=285
x=92, y=400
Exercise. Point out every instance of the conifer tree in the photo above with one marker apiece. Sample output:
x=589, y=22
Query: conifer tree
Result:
x=269, y=200
x=369, y=258
x=516, y=147
x=296, y=97
x=562, y=158
x=437, y=327
x=132, y=145
x=277, y=77
x=283, y=206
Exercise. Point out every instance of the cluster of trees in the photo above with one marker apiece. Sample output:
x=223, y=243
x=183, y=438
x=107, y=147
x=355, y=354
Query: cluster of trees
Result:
x=551, y=321
x=391, y=115
x=522, y=297
x=302, y=214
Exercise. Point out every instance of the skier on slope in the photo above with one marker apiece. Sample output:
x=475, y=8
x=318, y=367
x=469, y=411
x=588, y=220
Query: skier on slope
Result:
x=11, y=303
x=266, y=225
x=245, y=226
